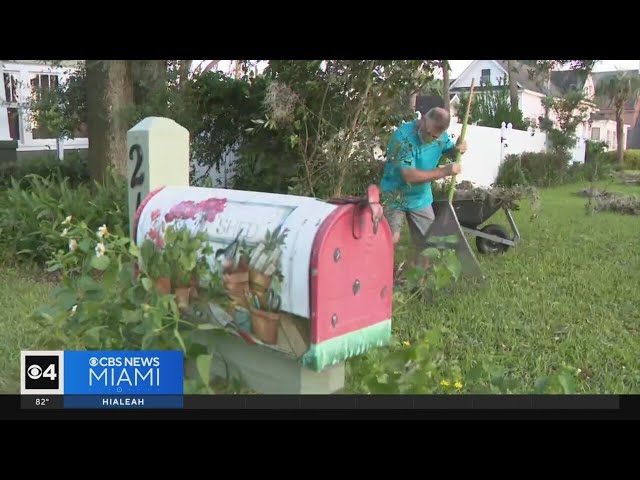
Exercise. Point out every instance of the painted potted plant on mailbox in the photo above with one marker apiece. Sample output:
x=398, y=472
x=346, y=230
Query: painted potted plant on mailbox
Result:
x=265, y=278
x=250, y=276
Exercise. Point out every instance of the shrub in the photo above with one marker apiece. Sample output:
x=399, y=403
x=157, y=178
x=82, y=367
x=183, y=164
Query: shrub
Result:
x=631, y=158
x=538, y=169
x=30, y=220
x=110, y=299
x=74, y=168
x=549, y=169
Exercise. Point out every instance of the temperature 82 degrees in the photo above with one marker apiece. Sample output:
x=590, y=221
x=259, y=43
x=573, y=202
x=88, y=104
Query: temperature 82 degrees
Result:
x=41, y=402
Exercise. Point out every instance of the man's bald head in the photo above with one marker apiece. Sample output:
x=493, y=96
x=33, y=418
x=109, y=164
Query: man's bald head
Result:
x=434, y=123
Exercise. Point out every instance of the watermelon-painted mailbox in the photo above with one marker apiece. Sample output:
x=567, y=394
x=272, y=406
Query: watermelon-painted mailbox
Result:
x=310, y=281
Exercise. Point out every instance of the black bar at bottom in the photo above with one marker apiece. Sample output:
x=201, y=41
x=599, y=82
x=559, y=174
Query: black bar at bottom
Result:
x=272, y=402
x=213, y=402
x=502, y=402
x=319, y=402
x=576, y=402
x=384, y=402
x=442, y=402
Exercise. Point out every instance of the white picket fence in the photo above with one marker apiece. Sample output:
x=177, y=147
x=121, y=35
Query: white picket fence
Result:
x=488, y=147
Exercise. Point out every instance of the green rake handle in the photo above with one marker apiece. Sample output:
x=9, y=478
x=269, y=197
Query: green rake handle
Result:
x=452, y=187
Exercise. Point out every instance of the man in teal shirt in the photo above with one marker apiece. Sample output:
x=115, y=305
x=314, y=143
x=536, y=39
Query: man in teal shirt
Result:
x=413, y=154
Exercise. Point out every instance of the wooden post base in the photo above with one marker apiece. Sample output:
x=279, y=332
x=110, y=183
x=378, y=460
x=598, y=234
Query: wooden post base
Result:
x=270, y=372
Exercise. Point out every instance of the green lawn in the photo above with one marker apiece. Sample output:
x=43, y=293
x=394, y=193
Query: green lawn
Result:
x=20, y=293
x=568, y=294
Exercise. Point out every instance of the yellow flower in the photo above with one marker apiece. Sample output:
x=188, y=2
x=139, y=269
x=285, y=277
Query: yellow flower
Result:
x=67, y=220
x=444, y=383
x=406, y=344
x=458, y=384
x=102, y=231
x=73, y=245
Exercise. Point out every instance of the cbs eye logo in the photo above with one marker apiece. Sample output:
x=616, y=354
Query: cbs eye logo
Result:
x=41, y=373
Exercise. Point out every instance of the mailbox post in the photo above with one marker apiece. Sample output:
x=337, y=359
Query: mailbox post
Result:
x=310, y=281
x=158, y=155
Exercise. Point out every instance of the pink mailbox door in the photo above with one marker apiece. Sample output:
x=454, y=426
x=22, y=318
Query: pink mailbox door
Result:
x=351, y=273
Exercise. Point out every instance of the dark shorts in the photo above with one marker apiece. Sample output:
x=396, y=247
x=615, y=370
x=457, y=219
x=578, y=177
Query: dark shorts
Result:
x=419, y=222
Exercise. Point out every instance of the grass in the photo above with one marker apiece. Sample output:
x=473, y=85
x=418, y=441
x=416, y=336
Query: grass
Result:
x=567, y=295
x=20, y=293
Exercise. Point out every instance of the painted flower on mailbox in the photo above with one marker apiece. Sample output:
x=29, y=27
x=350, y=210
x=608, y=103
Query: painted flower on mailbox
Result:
x=154, y=235
x=188, y=209
x=203, y=211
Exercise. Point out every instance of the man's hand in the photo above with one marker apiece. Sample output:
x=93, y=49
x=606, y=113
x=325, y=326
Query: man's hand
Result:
x=453, y=169
x=461, y=145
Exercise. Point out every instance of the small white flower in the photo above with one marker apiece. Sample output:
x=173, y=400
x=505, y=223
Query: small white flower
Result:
x=67, y=220
x=102, y=231
x=73, y=245
x=100, y=249
x=73, y=309
x=65, y=231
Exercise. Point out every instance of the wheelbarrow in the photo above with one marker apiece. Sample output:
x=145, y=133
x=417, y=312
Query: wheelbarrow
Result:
x=471, y=213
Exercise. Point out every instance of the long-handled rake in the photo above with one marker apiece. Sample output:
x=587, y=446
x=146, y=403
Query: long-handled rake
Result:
x=445, y=232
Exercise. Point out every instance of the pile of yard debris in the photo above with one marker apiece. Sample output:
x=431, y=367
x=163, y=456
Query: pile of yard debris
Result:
x=625, y=204
x=498, y=196
x=627, y=178
x=604, y=201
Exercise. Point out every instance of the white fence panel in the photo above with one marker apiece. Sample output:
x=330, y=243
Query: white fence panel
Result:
x=481, y=161
x=520, y=141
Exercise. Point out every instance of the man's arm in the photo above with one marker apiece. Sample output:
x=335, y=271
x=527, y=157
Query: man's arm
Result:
x=451, y=150
x=414, y=176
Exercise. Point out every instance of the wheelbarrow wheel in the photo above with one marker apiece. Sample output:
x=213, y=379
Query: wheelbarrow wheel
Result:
x=488, y=246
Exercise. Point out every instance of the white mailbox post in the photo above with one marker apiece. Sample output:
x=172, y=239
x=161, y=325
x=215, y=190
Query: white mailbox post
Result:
x=167, y=143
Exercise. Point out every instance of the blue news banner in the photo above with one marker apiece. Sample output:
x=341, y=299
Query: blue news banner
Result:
x=104, y=379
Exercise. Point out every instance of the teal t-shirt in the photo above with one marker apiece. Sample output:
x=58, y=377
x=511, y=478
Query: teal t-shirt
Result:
x=406, y=150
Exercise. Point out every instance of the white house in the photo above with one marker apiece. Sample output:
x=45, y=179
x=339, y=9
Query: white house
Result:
x=21, y=78
x=531, y=92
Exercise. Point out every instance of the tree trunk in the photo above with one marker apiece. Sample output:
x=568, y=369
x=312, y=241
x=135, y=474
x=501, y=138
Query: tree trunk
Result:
x=513, y=84
x=412, y=101
x=445, y=85
x=149, y=79
x=620, y=134
x=185, y=67
x=109, y=90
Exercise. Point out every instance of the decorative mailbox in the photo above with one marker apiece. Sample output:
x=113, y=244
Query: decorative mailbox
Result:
x=305, y=283
x=310, y=279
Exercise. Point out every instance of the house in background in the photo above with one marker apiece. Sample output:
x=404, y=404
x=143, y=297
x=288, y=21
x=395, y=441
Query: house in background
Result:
x=21, y=79
x=603, y=126
x=424, y=103
x=531, y=92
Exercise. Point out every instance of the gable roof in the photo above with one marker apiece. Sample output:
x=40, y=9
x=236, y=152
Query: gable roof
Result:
x=424, y=103
x=561, y=81
x=600, y=77
x=525, y=79
x=567, y=80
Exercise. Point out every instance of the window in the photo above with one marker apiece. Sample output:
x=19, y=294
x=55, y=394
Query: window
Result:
x=485, y=76
x=42, y=83
x=595, y=134
x=12, y=95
